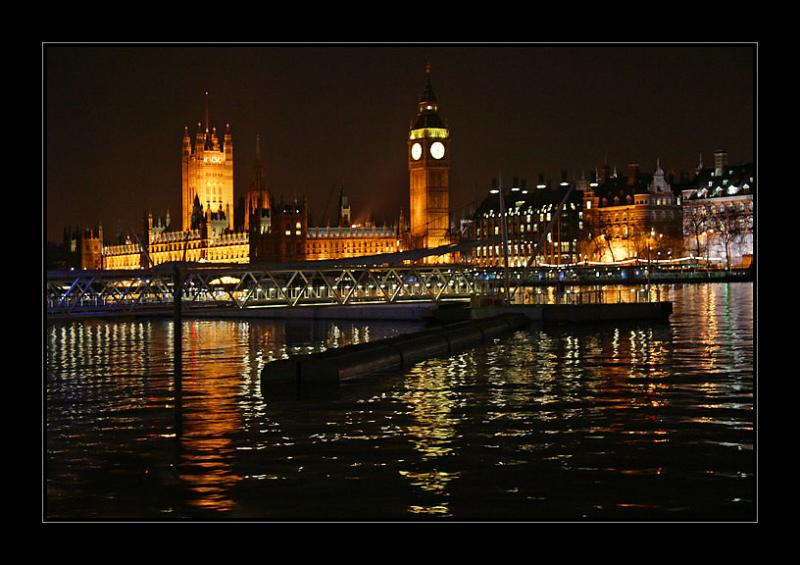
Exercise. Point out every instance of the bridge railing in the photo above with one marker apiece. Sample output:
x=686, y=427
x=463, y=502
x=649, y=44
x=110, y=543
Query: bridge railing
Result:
x=82, y=291
x=74, y=292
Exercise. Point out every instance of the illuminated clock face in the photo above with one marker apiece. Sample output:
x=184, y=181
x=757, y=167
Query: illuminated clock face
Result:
x=437, y=150
x=416, y=151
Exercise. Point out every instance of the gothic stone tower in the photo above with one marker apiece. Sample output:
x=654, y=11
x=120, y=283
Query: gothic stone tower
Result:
x=429, y=172
x=258, y=199
x=207, y=172
x=92, y=248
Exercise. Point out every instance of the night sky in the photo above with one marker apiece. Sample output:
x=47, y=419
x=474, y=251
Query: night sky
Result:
x=327, y=115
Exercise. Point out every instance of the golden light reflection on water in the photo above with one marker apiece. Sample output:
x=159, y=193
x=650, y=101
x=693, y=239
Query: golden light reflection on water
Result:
x=115, y=377
x=430, y=394
x=430, y=401
x=215, y=410
x=441, y=510
x=600, y=399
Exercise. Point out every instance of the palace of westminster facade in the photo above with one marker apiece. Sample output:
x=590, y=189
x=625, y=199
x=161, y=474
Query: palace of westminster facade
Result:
x=606, y=218
x=214, y=230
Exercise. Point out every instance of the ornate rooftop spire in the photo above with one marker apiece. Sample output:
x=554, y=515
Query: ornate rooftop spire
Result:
x=428, y=97
x=428, y=106
x=206, y=111
x=259, y=182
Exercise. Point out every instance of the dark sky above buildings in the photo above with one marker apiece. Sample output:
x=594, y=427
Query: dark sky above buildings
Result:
x=327, y=115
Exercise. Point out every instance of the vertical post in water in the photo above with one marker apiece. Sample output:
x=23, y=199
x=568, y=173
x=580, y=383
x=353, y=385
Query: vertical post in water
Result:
x=177, y=347
x=177, y=294
x=504, y=228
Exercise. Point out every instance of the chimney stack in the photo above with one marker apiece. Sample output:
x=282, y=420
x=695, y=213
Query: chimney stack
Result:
x=633, y=173
x=720, y=161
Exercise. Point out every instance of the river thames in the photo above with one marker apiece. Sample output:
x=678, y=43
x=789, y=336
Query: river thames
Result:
x=615, y=421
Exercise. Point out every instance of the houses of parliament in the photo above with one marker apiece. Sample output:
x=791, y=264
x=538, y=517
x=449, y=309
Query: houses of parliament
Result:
x=214, y=229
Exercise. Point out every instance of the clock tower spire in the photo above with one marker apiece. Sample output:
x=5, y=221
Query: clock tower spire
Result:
x=429, y=172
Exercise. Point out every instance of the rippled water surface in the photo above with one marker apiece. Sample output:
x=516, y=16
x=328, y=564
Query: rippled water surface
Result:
x=614, y=421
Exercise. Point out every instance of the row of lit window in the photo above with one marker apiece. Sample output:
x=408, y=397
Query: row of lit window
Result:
x=496, y=250
x=514, y=229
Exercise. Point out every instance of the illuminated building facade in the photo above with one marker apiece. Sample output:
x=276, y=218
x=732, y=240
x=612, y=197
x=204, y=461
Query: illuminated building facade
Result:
x=207, y=172
x=290, y=239
x=718, y=212
x=429, y=173
x=207, y=241
x=213, y=230
x=343, y=242
x=527, y=214
x=634, y=216
x=92, y=248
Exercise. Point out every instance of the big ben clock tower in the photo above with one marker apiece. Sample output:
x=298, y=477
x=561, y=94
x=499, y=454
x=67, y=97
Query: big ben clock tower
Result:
x=429, y=172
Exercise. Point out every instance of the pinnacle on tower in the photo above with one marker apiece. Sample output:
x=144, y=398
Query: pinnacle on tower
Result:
x=428, y=107
x=206, y=111
x=428, y=97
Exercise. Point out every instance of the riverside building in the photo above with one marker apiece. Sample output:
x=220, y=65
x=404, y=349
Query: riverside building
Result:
x=718, y=212
x=527, y=214
x=636, y=216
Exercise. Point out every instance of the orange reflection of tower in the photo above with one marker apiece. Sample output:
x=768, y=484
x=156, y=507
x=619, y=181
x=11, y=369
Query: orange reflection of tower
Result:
x=211, y=414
